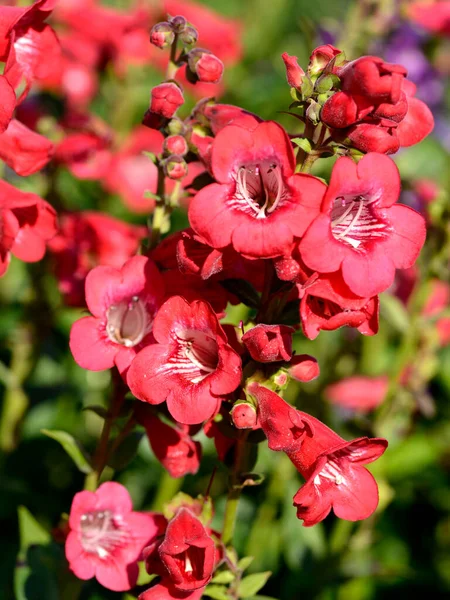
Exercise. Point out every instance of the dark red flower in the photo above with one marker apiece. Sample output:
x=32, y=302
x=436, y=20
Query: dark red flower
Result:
x=269, y=343
x=27, y=222
x=188, y=552
x=192, y=366
x=244, y=416
x=173, y=446
x=333, y=468
x=86, y=240
x=258, y=205
x=107, y=537
x=358, y=393
x=123, y=303
x=361, y=231
x=24, y=150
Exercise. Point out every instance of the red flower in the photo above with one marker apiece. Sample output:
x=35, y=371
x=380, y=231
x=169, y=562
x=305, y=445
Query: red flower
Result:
x=123, y=303
x=321, y=56
x=86, y=154
x=192, y=366
x=204, y=66
x=304, y=368
x=166, y=591
x=24, y=150
x=269, y=343
x=7, y=103
x=26, y=223
x=333, y=468
x=358, y=393
x=107, y=537
x=166, y=99
x=175, y=449
x=29, y=47
x=188, y=552
x=86, y=240
x=258, y=205
x=294, y=72
x=361, y=231
x=432, y=16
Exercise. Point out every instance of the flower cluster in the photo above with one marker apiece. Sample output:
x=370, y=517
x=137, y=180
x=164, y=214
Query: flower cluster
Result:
x=292, y=250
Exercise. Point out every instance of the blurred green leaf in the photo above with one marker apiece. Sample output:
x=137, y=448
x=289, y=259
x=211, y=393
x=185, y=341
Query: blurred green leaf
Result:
x=250, y=585
x=72, y=447
x=217, y=592
x=245, y=562
x=224, y=577
x=394, y=312
x=126, y=451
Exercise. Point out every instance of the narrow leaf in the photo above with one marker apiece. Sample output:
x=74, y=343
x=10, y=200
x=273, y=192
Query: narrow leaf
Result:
x=251, y=584
x=72, y=447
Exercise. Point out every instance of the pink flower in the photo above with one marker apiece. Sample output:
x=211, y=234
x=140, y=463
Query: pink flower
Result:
x=24, y=150
x=358, y=393
x=304, y=368
x=258, y=205
x=269, y=343
x=166, y=99
x=107, y=537
x=123, y=303
x=204, y=66
x=26, y=223
x=192, y=366
x=432, y=16
x=361, y=231
x=333, y=468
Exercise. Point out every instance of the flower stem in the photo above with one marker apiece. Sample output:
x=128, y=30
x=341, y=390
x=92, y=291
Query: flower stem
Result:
x=234, y=494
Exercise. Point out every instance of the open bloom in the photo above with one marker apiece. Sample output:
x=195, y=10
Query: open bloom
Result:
x=107, y=537
x=192, y=366
x=258, y=205
x=26, y=223
x=333, y=468
x=361, y=231
x=123, y=303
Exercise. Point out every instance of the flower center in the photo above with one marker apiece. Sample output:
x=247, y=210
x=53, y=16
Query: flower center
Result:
x=101, y=533
x=128, y=322
x=332, y=472
x=260, y=188
x=356, y=221
x=196, y=355
x=191, y=564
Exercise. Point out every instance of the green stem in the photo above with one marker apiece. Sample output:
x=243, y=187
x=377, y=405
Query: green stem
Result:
x=234, y=494
x=172, y=67
x=168, y=487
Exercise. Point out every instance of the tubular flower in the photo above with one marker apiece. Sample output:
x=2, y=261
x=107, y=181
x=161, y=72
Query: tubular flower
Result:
x=358, y=393
x=26, y=223
x=123, y=303
x=192, y=366
x=107, y=537
x=258, y=205
x=361, y=231
x=333, y=468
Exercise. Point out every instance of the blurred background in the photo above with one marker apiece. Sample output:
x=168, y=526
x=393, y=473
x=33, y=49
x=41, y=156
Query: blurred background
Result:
x=395, y=384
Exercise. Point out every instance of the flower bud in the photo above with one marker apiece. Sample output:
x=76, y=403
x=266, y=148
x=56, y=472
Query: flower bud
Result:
x=243, y=415
x=294, y=73
x=269, y=343
x=178, y=23
x=320, y=57
x=189, y=36
x=162, y=35
x=177, y=127
x=175, y=167
x=166, y=98
x=175, y=144
x=205, y=66
x=304, y=368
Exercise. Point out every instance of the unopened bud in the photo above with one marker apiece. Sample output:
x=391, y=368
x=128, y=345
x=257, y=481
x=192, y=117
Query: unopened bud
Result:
x=178, y=23
x=204, y=66
x=175, y=167
x=243, y=415
x=162, y=35
x=176, y=127
x=294, y=73
x=320, y=58
x=189, y=36
x=166, y=98
x=175, y=144
x=280, y=379
x=304, y=368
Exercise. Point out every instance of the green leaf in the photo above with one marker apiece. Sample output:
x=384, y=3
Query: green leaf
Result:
x=302, y=143
x=218, y=592
x=31, y=532
x=251, y=584
x=126, y=451
x=151, y=195
x=394, y=312
x=97, y=409
x=224, y=577
x=245, y=562
x=72, y=447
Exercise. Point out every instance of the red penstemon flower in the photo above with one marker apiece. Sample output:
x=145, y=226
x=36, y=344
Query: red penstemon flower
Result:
x=123, y=303
x=358, y=393
x=361, y=231
x=192, y=365
x=258, y=205
x=107, y=537
x=333, y=468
